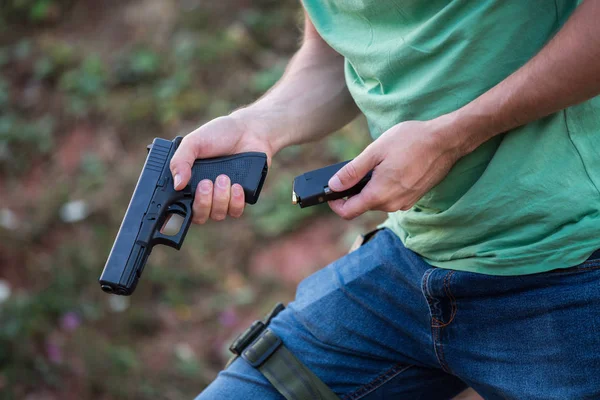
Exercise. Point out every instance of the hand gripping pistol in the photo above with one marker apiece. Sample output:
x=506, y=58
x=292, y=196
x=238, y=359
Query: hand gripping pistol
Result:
x=154, y=200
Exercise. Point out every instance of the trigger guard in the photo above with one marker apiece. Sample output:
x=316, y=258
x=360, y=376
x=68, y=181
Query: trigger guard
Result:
x=182, y=207
x=163, y=239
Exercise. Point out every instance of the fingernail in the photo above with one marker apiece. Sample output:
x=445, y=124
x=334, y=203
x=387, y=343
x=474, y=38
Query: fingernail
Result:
x=177, y=180
x=222, y=181
x=204, y=187
x=335, y=183
x=237, y=190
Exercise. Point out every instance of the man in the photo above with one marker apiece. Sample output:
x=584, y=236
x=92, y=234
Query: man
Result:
x=487, y=156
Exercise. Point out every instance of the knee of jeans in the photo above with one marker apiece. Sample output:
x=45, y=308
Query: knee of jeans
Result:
x=319, y=287
x=335, y=301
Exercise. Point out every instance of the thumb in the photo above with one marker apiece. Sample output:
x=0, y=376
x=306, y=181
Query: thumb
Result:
x=351, y=173
x=181, y=164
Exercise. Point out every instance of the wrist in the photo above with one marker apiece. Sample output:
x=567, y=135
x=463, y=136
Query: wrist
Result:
x=462, y=131
x=261, y=127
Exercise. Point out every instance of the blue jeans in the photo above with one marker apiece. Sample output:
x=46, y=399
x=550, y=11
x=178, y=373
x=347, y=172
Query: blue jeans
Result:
x=380, y=323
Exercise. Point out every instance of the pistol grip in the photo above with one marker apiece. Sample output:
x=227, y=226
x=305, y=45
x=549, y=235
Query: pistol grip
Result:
x=247, y=169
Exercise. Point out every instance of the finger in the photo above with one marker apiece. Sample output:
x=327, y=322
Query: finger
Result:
x=236, y=203
x=346, y=209
x=181, y=164
x=203, y=201
x=355, y=205
x=353, y=172
x=337, y=206
x=221, y=194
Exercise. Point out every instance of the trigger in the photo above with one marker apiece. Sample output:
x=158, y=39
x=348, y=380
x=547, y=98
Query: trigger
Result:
x=178, y=209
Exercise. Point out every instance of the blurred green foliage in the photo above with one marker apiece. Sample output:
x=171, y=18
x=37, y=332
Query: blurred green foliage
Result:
x=33, y=11
x=138, y=65
x=82, y=92
x=18, y=134
x=85, y=85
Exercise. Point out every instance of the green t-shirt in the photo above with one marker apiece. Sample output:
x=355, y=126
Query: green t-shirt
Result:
x=524, y=202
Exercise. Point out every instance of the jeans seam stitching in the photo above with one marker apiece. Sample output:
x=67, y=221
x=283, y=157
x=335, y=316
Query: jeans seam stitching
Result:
x=425, y=290
x=436, y=327
x=424, y=286
x=452, y=301
x=373, y=385
x=442, y=356
x=436, y=330
x=435, y=336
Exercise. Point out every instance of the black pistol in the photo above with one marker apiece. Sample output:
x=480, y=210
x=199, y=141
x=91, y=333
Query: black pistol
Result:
x=154, y=200
x=311, y=188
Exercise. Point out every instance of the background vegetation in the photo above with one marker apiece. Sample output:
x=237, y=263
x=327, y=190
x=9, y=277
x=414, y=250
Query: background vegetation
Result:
x=84, y=86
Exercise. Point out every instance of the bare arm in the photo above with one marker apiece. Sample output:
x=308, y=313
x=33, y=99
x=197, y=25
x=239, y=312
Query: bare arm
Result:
x=412, y=157
x=310, y=101
x=565, y=72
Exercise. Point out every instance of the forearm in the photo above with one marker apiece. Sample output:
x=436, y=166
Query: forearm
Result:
x=310, y=100
x=565, y=72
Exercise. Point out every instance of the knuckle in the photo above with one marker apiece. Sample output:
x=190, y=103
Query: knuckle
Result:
x=334, y=207
x=236, y=213
x=342, y=213
x=221, y=198
x=222, y=191
x=202, y=205
x=198, y=221
x=351, y=172
x=200, y=209
x=218, y=217
x=204, y=202
x=348, y=216
x=201, y=214
x=236, y=207
x=187, y=141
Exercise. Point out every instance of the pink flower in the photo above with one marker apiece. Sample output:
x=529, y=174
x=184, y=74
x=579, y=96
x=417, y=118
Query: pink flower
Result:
x=70, y=321
x=228, y=318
